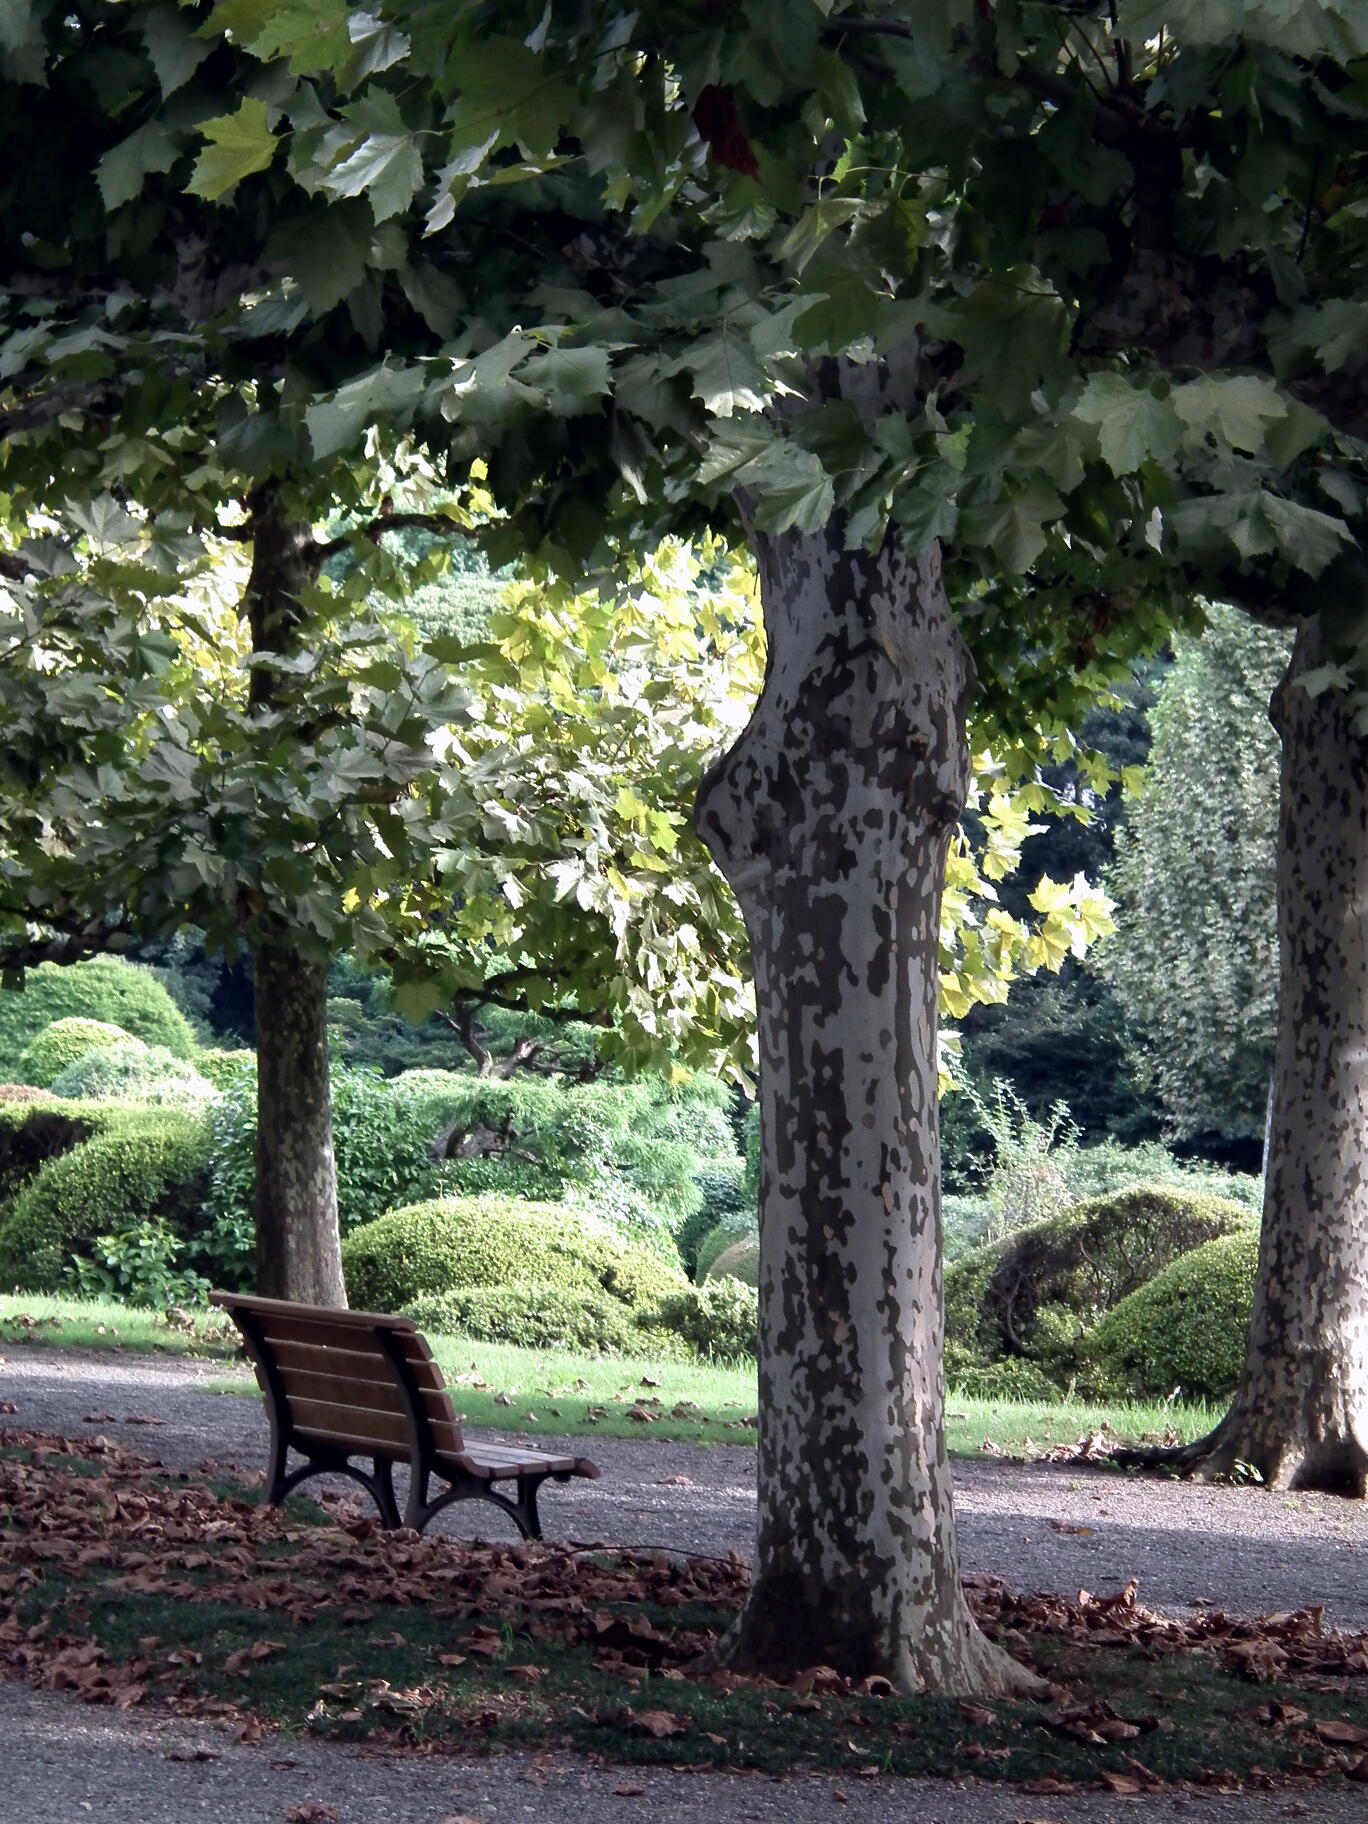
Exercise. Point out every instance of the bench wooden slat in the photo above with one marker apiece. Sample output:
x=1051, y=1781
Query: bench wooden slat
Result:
x=323, y=1419
x=371, y=1365
x=284, y=1307
x=326, y=1333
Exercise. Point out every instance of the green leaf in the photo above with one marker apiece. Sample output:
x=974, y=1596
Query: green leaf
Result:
x=121, y=171
x=325, y=251
x=1132, y=425
x=1014, y=529
x=385, y=395
x=386, y=166
x=239, y=144
x=1306, y=538
x=812, y=228
x=313, y=34
x=173, y=47
x=572, y=379
x=1235, y=409
x=725, y=373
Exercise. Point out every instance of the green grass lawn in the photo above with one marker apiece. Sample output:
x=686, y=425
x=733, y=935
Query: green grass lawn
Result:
x=538, y=1392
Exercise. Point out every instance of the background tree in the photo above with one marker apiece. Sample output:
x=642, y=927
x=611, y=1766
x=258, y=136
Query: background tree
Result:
x=1194, y=958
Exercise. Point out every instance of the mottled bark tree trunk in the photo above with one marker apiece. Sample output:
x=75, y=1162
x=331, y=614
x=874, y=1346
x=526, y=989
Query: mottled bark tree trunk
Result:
x=830, y=818
x=295, y=1205
x=298, y=1249
x=1300, y=1414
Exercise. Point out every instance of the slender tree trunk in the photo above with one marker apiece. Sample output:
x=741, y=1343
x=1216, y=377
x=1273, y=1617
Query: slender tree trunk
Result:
x=830, y=818
x=298, y=1246
x=298, y=1250
x=1300, y=1413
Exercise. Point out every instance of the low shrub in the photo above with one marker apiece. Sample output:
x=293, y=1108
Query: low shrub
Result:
x=1015, y=1379
x=105, y=988
x=717, y=1319
x=133, y=1072
x=63, y=1043
x=452, y=1242
x=723, y=1201
x=1185, y=1329
x=740, y=1260
x=539, y=1317
x=150, y=1166
x=1037, y=1291
x=221, y=1067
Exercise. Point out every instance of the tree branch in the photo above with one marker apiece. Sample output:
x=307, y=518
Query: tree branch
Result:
x=393, y=522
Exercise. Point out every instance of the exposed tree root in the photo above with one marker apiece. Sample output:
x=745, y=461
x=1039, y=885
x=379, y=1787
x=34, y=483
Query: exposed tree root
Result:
x=1234, y=1451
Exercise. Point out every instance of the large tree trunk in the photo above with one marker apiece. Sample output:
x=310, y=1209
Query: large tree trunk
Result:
x=298, y=1249
x=298, y=1246
x=1300, y=1414
x=830, y=818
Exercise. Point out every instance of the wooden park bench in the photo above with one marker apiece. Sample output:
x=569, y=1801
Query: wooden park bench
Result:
x=342, y=1385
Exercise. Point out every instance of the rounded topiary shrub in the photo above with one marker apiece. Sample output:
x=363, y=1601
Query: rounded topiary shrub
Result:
x=1038, y=1290
x=540, y=1317
x=494, y=1242
x=64, y=1043
x=40, y=1128
x=153, y=1166
x=1186, y=1328
x=726, y=1234
x=739, y=1260
x=133, y=1072
x=107, y=989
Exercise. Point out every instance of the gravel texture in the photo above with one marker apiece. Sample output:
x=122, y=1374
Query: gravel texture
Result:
x=1243, y=1548
x=66, y=1762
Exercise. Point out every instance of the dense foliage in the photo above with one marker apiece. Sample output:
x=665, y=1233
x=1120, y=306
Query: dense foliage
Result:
x=105, y=989
x=146, y=1171
x=1036, y=1292
x=132, y=1072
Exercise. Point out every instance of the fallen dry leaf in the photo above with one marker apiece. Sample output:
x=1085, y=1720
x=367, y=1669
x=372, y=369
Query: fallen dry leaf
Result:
x=626, y=1791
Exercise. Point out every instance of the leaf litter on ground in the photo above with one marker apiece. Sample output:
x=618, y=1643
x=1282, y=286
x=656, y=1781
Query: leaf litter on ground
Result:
x=124, y=1583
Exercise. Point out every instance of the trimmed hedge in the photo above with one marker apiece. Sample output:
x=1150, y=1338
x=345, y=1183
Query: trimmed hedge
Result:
x=133, y=1072
x=1015, y=1379
x=66, y=1042
x=538, y=1317
x=1038, y=1290
x=739, y=1260
x=151, y=1165
x=221, y=1067
x=105, y=988
x=1186, y=1328
x=461, y=1242
x=724, y=1201
x=35, y=1130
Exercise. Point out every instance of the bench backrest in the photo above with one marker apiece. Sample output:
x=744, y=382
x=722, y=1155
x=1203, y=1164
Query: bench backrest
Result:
x=350, y=1377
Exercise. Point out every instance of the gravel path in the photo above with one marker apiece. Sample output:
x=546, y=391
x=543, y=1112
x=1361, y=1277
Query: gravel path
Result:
x=1248, y=1550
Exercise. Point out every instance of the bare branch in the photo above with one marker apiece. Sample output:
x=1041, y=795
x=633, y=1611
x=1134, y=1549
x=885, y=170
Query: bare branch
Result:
x=393, y=522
